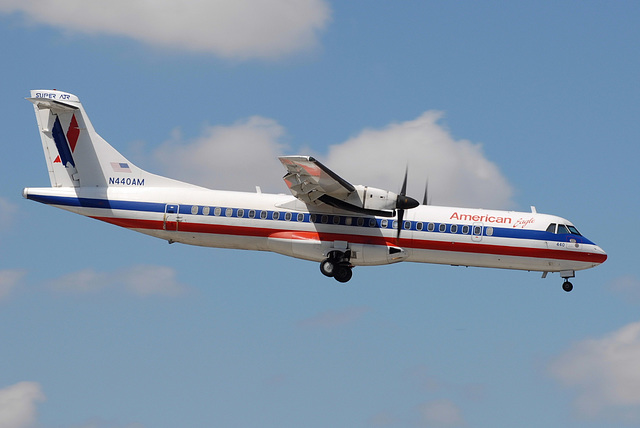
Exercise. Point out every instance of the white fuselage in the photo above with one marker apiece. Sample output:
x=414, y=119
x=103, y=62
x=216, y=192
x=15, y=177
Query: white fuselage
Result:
x=283, y=224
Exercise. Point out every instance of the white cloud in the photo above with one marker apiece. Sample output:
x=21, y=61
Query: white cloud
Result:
x=242, y=155
x=141, y=280
x=150, y=280
x=605, y=374
x=227, y=28
x=457, y=170
x=441, y=413
x=332, y=319
x=9, y=279
x=18, y=404
x=235, y=157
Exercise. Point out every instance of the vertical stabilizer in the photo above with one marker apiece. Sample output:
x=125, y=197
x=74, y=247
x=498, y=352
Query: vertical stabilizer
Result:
x=76, y=155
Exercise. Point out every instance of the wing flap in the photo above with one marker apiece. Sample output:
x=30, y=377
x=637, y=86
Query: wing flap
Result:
x=313, y=183
x=308, y=179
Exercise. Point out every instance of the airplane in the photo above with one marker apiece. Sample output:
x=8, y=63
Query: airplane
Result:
x=326, y=219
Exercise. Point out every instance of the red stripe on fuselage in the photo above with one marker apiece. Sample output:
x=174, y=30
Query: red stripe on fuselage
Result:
x=416, y=244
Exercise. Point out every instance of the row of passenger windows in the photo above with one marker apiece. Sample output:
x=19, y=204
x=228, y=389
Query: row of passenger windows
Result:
x=340, y=220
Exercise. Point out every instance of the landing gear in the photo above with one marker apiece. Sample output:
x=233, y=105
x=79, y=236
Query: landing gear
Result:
x=337, y=265
x=567, y=286
x=343, y=273
x=566, y=274
x=327, y=267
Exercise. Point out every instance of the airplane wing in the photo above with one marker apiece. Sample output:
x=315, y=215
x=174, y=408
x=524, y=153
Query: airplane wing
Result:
x=313, y=183
x=308, y=180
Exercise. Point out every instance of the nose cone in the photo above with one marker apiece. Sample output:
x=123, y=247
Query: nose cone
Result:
x=602, y=254
x=405, y=202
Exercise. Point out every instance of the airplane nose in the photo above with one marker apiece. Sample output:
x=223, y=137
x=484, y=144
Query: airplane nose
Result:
x=603, y=255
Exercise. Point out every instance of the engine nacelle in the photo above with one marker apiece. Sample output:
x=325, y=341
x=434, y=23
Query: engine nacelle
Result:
x=371, y=198
x=373, y=255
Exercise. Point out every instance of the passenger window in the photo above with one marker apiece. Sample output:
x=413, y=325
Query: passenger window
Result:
x=419, y=225
x=228, y=212
x=431, y=227
x=551, y=228
x=287, y=216
x=276, y=215
x=383, y=223
x=300, y=217
x=252, y=213
x=407, y=225
x=240, y=213
x=562, y=229
x=263, y=214
x=205, y=211
x=360, y=221
x=336, y=219
x=454, y=228
x=465, y=229
x=489, y=231
x=442, y=228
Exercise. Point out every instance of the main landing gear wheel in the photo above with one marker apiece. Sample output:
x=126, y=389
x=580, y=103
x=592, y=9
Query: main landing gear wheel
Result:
x=343, y=273
x=337, y=266
x=567, y=286
x=327, y=267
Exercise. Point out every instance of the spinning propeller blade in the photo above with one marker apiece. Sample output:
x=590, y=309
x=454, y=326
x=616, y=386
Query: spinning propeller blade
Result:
x=425, y=197
x=404, y=202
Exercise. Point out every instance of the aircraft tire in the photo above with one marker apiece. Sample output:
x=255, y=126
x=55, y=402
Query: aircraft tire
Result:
x=343, y=273
x=327, y=267
x=567, y=286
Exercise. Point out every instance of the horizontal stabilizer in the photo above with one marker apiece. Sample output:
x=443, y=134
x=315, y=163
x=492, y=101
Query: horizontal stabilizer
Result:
x=51, y=104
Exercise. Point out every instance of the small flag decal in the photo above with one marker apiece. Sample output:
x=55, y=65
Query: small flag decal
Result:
x=120, y=167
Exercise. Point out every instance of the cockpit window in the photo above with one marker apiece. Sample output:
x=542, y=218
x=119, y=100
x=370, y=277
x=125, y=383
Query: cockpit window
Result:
x=563, y=229
x=573, y=230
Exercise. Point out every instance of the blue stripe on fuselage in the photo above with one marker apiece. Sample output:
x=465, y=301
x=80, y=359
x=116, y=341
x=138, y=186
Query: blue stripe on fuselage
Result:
x=99, y=203
x=158, y=207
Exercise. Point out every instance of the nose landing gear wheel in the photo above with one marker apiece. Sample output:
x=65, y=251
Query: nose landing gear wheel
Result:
x=567, y=286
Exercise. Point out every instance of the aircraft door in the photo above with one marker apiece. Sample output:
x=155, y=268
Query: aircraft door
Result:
x=171, y=217
x=476, y=232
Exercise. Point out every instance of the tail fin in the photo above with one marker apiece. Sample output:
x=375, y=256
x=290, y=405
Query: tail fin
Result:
x=76, y=155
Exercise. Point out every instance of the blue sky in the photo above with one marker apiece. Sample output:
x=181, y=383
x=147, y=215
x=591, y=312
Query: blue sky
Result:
x=500, y=104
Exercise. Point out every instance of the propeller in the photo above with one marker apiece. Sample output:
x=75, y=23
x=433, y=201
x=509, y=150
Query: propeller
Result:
x=425, y=198
x=404, y=202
